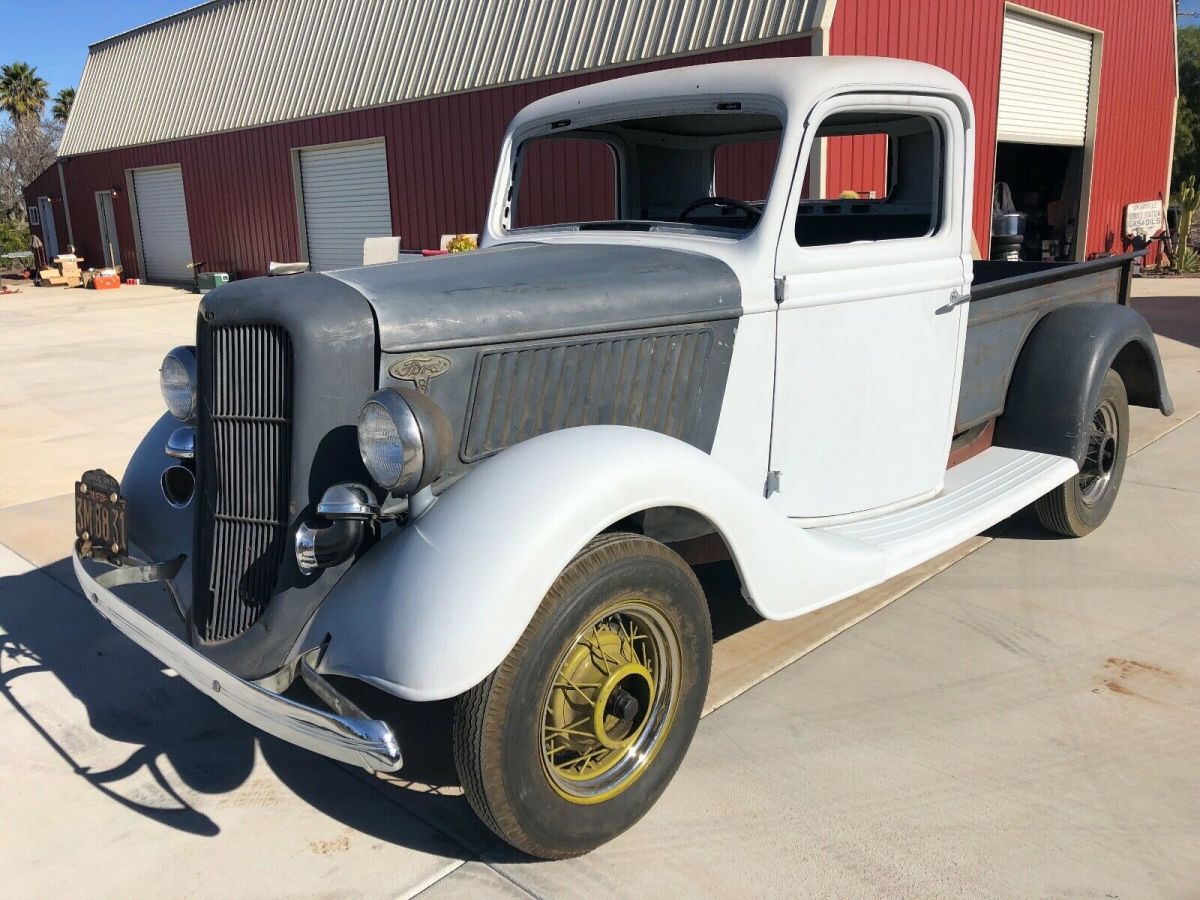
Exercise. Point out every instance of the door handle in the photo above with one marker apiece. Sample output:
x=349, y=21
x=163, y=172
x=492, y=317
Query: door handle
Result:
x=956, y=299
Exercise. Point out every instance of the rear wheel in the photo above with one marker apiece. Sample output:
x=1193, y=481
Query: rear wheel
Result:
x=1081, y=505
x=576, y=734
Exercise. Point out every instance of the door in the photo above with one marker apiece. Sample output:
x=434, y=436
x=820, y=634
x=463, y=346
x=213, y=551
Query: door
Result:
x=1045, y=82
x=109, y=248
x=165, y=243
x=869, y=338
x=344, y=198
x=1048, y=81
x=49, y=232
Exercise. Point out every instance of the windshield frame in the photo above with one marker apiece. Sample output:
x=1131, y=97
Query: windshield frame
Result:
x=588, y=123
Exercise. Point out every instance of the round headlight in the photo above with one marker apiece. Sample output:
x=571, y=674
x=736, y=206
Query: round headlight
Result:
x=177, y=379
x=403, y=438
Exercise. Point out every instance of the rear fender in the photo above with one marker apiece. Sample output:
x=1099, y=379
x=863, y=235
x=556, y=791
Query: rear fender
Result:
x=1056, y=382
x=433, y=608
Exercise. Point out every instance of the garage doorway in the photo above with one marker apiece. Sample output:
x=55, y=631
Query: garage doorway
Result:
x=343, y=199
x=110, y=250
x=161, y=224
x=1045, y=130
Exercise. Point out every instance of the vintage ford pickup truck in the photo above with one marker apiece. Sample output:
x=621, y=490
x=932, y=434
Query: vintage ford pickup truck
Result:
x=483, y=476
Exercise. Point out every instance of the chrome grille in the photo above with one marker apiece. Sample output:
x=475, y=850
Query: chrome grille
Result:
x=245, y=430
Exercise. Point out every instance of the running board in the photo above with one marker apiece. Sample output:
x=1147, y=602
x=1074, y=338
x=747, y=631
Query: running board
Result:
x=977, y=494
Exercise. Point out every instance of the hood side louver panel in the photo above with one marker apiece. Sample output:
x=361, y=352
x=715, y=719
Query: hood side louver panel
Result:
x=648, y=380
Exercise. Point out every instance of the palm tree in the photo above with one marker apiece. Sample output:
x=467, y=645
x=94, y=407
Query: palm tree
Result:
x=22, y=92
x=63, y=101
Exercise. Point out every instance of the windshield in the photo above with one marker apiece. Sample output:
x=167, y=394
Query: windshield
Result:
x=710, y=171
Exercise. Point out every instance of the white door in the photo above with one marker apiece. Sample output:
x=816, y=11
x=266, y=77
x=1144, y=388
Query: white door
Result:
x=869, y=339
x=1045, y=82
x=344, y=190
x=109, y=248
x=49, y=232
x=166, y=244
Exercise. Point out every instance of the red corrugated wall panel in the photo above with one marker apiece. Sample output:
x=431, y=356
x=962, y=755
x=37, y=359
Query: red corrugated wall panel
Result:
x=1137, y=88
x=862, y=165
x=239, y=185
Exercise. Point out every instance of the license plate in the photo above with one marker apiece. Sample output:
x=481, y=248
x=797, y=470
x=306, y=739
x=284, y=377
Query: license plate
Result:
x=100, y=515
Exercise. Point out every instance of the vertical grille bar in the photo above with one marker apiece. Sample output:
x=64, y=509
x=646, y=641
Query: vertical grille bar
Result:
x=245, y=424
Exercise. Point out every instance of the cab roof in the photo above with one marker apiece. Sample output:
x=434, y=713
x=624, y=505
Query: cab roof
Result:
x=795, y=82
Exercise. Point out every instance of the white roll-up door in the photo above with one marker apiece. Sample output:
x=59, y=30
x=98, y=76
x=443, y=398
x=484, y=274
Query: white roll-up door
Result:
x=345, y=194
x=162, y=224
x=1045, y=80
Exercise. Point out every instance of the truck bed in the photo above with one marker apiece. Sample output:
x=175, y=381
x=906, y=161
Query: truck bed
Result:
x=1007, y=300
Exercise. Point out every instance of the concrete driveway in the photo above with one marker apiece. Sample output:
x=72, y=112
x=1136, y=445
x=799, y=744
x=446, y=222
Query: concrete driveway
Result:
x=1022, y=724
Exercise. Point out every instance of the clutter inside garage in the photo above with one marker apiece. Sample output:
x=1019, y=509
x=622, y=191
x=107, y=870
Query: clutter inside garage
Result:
x=1035, y=207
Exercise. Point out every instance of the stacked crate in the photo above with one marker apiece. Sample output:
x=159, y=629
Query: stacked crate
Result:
x=63, y=271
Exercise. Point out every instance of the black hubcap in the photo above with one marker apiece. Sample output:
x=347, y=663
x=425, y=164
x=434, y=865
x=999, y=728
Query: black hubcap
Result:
x=1095, y=475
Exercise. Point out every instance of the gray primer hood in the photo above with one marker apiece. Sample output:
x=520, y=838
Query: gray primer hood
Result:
x=528, y=290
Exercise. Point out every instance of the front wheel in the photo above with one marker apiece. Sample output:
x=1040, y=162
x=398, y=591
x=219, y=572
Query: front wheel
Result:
x=576, y=734
x=1081, y=505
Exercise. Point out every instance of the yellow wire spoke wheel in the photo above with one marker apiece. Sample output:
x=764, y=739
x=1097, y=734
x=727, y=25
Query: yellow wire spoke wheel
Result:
x=580, y=728
x=611, y=702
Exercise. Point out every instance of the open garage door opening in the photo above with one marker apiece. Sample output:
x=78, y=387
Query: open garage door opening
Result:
x=164, y=243
x=343, y=201
x=1045, y=185
x=1043, y=129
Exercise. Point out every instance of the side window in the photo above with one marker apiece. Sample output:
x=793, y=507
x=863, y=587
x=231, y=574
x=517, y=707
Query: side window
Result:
x=566, y=180
x=883, y=180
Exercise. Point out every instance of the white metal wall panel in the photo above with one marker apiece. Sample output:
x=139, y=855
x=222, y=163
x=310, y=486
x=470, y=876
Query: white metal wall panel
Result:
x=1045, y=80
x=345, y=196
x=253, y=62
x=162, y=224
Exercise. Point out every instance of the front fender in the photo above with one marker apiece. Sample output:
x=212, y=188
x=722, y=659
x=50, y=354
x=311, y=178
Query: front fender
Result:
x=434, y=607
x=1056, y=382
x=157, y=530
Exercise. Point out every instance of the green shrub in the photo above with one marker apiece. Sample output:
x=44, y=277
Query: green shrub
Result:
x=462, y=243
x=14, y=235
x=1187, y=260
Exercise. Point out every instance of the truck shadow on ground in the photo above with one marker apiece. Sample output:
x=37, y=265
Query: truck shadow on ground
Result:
x=1172, y=317
x=191, y=757
x=1023, y=526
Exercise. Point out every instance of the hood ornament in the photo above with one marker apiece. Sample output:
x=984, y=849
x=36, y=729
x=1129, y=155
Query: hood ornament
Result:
x=420, y=370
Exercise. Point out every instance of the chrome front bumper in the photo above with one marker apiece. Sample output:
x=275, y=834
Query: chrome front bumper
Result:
x=359, y=741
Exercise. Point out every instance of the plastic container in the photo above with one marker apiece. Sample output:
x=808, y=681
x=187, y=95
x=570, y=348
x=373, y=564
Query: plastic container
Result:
x=208, y=281
x=1008, y=224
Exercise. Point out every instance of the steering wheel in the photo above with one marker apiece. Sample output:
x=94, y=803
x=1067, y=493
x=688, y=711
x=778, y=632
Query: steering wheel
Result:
x=752, y=215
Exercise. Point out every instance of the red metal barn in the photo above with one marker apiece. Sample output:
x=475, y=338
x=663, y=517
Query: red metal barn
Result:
x=243, y=131
x=46, y=212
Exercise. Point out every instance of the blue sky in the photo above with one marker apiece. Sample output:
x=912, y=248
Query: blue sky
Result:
x=55, y=36
x=58, y=44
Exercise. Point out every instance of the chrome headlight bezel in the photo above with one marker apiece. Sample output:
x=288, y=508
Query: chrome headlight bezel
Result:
x=389, y=442
x=177, y=382
x=403, y=439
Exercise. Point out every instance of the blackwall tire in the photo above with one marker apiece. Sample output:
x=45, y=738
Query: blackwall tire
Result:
x=577, y=733
x=1081, y=505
